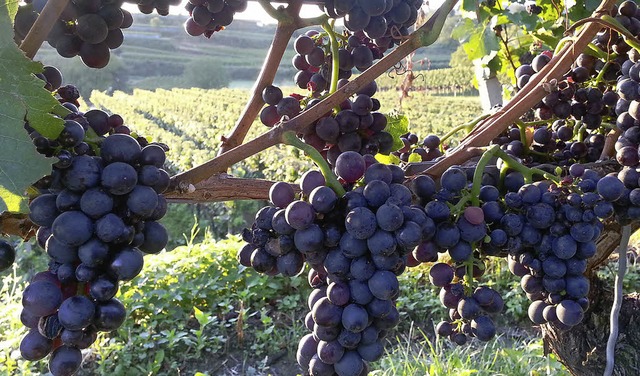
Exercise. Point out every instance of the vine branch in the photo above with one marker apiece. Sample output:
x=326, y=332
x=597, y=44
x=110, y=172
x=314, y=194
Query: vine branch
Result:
x=223, y=187
x=43, y=25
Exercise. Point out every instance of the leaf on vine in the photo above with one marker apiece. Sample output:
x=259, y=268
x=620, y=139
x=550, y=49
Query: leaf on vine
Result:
x=22, y=94
x=520, y=18
x=479, y=41
x=387, y=159
x=470, y=5
x=548, y=38
x=397, y=125
x=414, y=158
x=20, y=88
x=582, y=9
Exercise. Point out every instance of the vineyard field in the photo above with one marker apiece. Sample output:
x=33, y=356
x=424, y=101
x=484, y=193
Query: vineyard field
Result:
x=192, y=121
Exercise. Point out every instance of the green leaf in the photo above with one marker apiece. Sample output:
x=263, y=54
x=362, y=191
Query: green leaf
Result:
x=463, y=31
x=524, y=19
x=414, y=158
x=22, y=94
x=157, y=360
x=551, y=11
x=397, y=125
x=12, y=8
x=548, y=38
x=387, y=159
x=482, y=41
x=470, y=5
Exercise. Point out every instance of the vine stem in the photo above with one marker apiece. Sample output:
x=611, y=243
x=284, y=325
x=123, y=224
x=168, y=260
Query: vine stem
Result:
x=526, y=98
x=290, y=138
x=617, y=300
x=284, y=31
x=528, y=172
x=426, y=35
x=335, y=59
x=466, y=126
x=477, y=174
x=43, y=25
x=523, y=136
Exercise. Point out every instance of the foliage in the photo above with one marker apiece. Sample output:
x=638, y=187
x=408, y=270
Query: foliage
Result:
x=205, y=74
x=500, y=34
x=23, y=98
x=459, y=59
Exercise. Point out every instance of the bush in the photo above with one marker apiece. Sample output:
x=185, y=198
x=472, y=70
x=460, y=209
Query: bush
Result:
x=205, y=74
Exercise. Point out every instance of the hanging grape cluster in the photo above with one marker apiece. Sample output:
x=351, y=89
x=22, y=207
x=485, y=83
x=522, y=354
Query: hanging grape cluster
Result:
x=98, y=215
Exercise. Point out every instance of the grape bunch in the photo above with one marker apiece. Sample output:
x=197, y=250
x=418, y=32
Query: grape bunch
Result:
x=209, y=16
x=458, y=228
x=160, y=6
x=314, y=63
x=571, y=120
x=356, y=245
x=274, y=244
x=383, y=22
x=88, y=29
x=426, y=151
x=98, y=216
x=76, y=123
x=549, y=233
x=356, y=125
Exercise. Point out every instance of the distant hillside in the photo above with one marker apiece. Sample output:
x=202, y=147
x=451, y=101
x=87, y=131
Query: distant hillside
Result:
x=157, y=49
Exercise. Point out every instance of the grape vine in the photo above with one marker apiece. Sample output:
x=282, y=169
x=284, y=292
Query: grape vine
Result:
x=527, y=183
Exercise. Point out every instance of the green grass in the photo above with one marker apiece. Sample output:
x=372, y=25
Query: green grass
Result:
x=515, y=353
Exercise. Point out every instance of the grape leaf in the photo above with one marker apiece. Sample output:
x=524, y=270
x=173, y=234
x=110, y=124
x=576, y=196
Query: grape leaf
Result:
x=478, y=41
x=397, y=125
x=414, y=158
x=22, y=94
x=387, y=159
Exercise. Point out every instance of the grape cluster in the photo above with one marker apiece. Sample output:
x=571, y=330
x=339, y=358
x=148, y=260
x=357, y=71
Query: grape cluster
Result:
x=550, y=234
x=547, y=231
x=76, y=123
x=89, y=29
x=98, y=217
x=356, y=245
x=570, y=117
x=459, y=229
x=384, y=22
x=276, y=240
x=209, y=16
x=627, y=110
x=356, y=124
x=428, y=150
x=583, y=105
x=356, y=127
x=148, y=6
